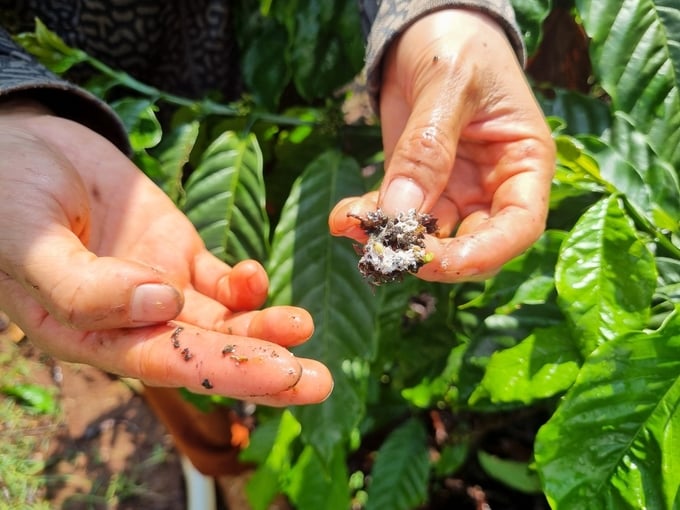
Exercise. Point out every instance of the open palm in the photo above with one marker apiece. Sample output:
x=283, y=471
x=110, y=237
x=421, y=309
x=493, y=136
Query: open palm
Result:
x=99, y=267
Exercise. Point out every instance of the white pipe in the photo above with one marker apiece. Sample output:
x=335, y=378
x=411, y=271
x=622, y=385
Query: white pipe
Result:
x=200, y=488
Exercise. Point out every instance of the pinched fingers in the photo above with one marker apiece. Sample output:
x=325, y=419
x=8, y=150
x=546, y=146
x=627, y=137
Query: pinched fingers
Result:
x=343, y=221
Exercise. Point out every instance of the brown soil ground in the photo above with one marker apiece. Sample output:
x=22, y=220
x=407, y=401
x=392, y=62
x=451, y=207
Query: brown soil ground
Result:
x=105, y=449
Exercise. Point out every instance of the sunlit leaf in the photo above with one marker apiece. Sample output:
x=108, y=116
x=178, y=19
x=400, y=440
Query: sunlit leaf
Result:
x=635, y=51
x=605, y=276
x=50, y=50
x=528, y=279
x=225, y=199
x=540, y=366
x=614, y=441
x=312, y=269
x=660, y=178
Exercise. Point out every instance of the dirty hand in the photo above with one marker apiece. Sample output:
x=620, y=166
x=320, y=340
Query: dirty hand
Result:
x=97, y=266
x=464, y=140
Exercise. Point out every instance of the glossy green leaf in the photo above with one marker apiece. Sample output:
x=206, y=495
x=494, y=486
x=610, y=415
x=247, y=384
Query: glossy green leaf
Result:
x=139, y=119
x=312, y=269
x=576, y=185
x=313, y=485
x=635, y=52
x=400, y=474
x=530, y=16
x=542, y=365
x=225, y=199
x=605, y=276
x=619, y=173
x=659, y=177
x=514, y=474
x=576, y=168
x=614, y=441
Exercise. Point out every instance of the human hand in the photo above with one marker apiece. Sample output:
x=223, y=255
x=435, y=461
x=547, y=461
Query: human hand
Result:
x=97, y=266
x=464, y=140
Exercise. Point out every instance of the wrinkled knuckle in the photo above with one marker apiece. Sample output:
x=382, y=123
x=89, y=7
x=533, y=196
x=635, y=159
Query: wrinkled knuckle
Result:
x=425, y=149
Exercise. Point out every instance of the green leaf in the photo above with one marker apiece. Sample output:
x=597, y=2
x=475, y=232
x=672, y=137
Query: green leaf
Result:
x=635, y=52
x=530, y=17
x=400, y=474
x=34, y=397
x=173, y=154
x=576, y=168
x=660, y=178
x=614, y=441
x=264, y=61
x=312, y=269
x=314, y=485
x=582, y=114
x=542, y=365
x=270, y=448
x=225, y=199
x=139, y=119
x=451, y=459
x=444, y=387
x=516, y=475
x=605, y=276
x=327, y=48
x=50, y=50
x=528, y=279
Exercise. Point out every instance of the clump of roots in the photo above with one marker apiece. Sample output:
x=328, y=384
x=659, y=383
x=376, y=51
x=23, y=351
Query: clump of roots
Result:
x=395, y=246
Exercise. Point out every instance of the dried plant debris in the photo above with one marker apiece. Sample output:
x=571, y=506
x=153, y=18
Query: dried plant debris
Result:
x=396, y=245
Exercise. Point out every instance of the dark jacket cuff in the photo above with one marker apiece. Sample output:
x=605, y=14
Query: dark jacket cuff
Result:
x=394, y=16
x=22, y=76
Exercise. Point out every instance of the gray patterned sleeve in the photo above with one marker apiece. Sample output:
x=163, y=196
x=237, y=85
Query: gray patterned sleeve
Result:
x=22, y=76
x=388, y=18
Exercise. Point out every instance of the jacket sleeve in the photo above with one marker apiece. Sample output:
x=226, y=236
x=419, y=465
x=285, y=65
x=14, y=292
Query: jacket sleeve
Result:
x=22, y=76
x=383, y=20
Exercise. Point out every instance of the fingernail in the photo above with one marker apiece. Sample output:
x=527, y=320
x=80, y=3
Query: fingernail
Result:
x=402, y=194
x=154, y=302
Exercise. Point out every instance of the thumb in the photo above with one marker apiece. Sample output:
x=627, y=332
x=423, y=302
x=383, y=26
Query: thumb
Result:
x=420, y=153
x=428, y=96
x=87, y=292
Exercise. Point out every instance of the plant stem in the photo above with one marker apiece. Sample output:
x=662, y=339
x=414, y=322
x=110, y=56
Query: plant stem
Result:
x=205, y=106
x=648, y=227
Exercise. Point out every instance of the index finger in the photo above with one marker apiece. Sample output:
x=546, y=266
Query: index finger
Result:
x=178, y=354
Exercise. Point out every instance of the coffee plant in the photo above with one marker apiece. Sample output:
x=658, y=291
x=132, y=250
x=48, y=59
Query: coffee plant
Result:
x=557, y=380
